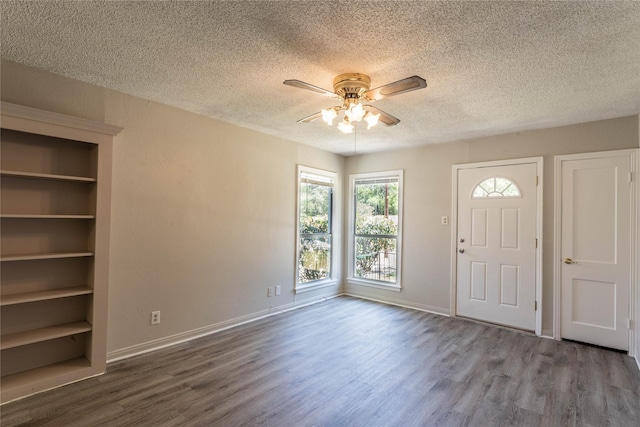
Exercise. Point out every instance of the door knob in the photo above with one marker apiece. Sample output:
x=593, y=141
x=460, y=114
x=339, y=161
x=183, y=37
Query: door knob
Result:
x=569, y=261
x=461, y=251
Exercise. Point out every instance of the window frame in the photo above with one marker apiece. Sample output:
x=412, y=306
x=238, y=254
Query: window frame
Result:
x=351, y=278
x=327, y=281
x=501, y=195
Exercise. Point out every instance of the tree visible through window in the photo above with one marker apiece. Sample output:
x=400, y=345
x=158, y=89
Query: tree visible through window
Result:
x=376, y=226
x=315, y=237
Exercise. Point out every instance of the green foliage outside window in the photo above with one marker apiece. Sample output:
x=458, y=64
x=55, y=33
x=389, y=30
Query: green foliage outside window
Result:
x=375, y=228
x=377, y=199
x=314, y=254
x=369, y=248
x=314, y=224
x=314, y=258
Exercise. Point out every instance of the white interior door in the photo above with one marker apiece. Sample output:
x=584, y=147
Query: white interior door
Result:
x=496, y=259
x=596, y=250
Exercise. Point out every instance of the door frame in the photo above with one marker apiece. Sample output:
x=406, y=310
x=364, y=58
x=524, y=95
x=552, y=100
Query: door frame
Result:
x=557, y=237
x=538, y=161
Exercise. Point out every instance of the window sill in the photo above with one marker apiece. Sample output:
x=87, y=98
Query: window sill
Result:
x=374, y=284
x=315, y=285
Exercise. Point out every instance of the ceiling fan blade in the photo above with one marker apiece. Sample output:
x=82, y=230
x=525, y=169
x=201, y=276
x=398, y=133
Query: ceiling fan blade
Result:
x=385, y=118
x=312, y=117
x=396, y=88
x=312, y=88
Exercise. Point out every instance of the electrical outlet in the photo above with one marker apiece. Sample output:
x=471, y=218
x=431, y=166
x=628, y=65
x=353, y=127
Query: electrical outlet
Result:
x=269, y=291
x=155, y=317
x=444, y=220
x=278, y=290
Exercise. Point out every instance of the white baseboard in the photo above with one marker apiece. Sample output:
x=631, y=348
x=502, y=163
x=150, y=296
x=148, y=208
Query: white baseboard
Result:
x=401, y=303
x=149, y=346
x=547, y=333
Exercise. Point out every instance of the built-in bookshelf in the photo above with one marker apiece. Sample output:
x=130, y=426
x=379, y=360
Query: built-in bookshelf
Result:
x=55, y=184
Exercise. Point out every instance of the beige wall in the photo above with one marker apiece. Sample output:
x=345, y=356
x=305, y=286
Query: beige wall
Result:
x=203, y=212
x=427, y=184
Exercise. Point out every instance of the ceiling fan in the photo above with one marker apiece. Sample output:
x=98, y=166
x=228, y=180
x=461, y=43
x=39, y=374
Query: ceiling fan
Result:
x=352, y=89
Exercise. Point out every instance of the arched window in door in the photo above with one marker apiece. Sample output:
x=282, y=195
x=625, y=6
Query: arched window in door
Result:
x=496, y=187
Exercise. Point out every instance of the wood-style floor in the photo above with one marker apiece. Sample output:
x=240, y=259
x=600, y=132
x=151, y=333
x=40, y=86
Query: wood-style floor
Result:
x=351, y=362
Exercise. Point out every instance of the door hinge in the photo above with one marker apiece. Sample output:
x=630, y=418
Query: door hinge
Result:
x=630, y=176
x=536, y=243
x=535, y=306
x=536, y=180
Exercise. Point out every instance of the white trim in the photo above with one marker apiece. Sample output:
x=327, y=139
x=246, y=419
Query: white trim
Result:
x=331, y=280
x=397, y=286
x=557, y=238
x=22, y=112
x=557, y=245
x=453, y=250
x=33, y=393
x=635, y=222
x=547, y=333
x=539, y=162
x=405, y=304
x=540, y=241
x=158, y=344
x=315, y=285
x=636, y=264
x=373, y=284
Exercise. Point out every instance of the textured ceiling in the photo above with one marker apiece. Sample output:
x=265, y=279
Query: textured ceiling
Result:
x=491, y=67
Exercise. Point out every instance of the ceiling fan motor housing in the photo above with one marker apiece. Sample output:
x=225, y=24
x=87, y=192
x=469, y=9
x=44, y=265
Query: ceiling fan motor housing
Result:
x=351, y=85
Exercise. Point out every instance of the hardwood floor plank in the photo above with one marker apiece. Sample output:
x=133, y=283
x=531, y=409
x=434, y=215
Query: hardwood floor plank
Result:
x=535, y=383
x=351, y=362
x=560, y=409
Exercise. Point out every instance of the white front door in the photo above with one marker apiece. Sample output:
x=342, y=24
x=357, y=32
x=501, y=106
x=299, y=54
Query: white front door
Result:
x=496, y=243
x=596, y=248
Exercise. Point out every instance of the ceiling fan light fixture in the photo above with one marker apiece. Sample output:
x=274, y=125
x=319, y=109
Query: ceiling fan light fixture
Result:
x=328, y=115
x=371, y=119
x=345, y=126
x=354, y=112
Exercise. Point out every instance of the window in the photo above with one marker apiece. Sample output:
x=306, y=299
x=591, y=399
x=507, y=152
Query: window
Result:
x=315, y=214
x=496, y=187
x=376, y=229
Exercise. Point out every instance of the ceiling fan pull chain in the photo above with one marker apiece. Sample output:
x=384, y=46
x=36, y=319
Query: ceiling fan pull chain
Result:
x=355, y=141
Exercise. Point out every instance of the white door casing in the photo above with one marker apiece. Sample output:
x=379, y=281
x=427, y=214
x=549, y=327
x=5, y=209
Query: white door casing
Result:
x=497, y=271
x=595, y=215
